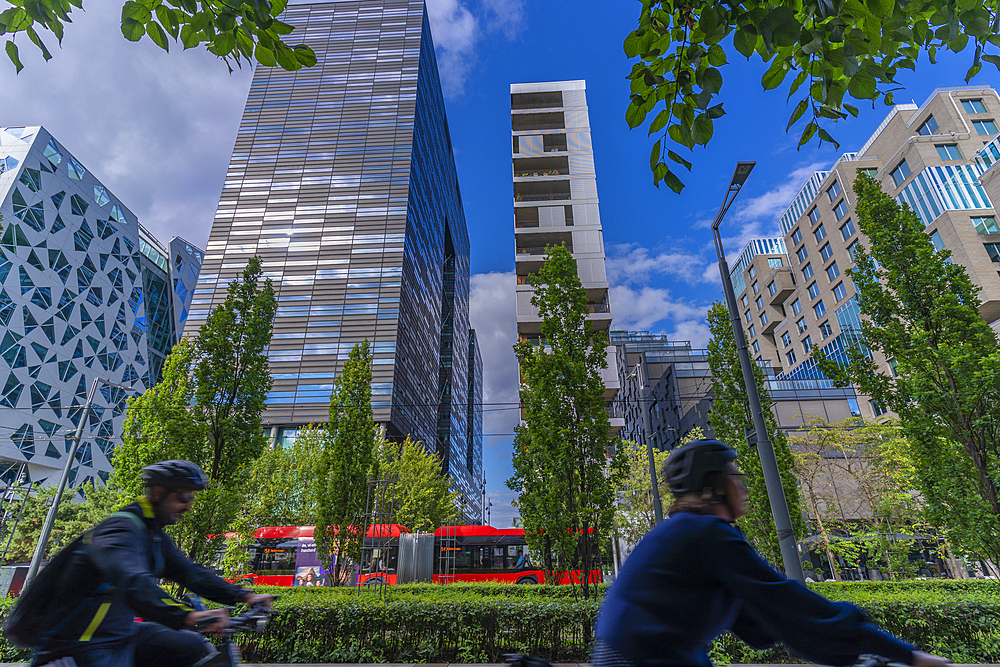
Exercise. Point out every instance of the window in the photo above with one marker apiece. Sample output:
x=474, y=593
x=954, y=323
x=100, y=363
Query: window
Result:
x=832, y=272
x=852, y=403
x=802, y=253
x=744, y=300
x=892, y=363
x=752, y=330
x=760, y=303
x=900, y=173
x=796, y=307
x=852, y=249
x=985, y=127
x=929, y=127
x=813, y=290
x=820, y=233
x=756, y=287
x=807, y=344
x=819, y=309
x=801, y=324
x=796, y=237
x=986, y=224
x=774, y=262
x=786, y=339
x=825, y=329
x=877, y=409
x=791, y=357
x=833, y=190
x=756, y=346
x=949, y=151
x=814, y=215
x=936, y=240
x=974, y=106
x=807, y=271
x=826, y=252
x=847, y=229
x=752, y=273
x=772, y=288
x=839, y=292
x=841, y=209
x=993, y=250
x=747, y=317
x=869, y=171
x=763, y=318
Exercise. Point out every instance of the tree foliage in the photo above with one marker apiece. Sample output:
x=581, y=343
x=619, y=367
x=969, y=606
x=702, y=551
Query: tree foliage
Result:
x=72, y=518
x=922, y=310
x=730, y=418
x=832, y=50
x=562, y=473
x=207, y=410
x=422, y=495
x=860, y=484
x=634, y=516
x=236, y=31
x=346, y=464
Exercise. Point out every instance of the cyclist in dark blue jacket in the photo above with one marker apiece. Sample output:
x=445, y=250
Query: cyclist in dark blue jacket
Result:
x=112, y=577
x=694, y=577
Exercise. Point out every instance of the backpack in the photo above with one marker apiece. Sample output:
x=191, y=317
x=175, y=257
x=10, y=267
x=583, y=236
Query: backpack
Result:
x=29, y=625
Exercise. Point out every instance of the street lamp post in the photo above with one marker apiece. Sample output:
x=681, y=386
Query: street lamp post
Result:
x=765, y=450
x=50, y=518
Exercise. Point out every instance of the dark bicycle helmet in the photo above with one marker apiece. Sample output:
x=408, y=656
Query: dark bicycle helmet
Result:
x=688, y=466
x=174, y=474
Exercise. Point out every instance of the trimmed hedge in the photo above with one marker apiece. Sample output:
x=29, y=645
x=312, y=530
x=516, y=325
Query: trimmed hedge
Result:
x=469, y=623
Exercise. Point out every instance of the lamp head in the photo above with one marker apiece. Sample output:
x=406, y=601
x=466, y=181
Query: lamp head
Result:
x=742, y=172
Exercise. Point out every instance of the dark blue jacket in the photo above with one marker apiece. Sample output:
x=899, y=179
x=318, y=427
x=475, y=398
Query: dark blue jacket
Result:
x=693, y=577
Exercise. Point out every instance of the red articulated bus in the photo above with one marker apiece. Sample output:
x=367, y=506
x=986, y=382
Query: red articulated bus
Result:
x=286, y=556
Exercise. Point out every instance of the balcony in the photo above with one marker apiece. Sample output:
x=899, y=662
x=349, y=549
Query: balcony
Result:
x=541, y=166
x=553, y=120
x=593, y=308
x=528, y=191
x=542, y=100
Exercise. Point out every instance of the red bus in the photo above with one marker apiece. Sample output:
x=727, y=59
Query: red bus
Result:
x=286, y=556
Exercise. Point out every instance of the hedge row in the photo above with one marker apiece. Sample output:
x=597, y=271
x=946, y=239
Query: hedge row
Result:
x=480, y=622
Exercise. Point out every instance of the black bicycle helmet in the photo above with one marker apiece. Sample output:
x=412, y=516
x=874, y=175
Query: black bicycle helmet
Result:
x=174, y=474
x=687, y=467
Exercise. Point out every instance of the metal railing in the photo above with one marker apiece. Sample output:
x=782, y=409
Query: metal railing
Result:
x=543, y=196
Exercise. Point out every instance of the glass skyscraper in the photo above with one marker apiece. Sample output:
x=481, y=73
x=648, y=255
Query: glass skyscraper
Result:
x=85, y=292
x=343, y=180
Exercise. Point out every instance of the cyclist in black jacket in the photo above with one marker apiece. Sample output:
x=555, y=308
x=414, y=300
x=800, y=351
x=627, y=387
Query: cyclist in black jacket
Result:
x=112, y=578
x=694, y=577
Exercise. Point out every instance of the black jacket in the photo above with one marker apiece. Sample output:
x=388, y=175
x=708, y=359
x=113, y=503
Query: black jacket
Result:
x=693, y=577
x=127, y=555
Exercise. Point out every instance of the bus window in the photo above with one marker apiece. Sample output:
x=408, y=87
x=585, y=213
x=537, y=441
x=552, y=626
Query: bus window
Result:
x=463, y=558
x=497, y=558
x=517, y=557
x=275, y=556
x=488, y=558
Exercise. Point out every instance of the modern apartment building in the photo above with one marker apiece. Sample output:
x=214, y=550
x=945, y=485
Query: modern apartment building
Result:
x=555, y=201
x=343, y=181
x=934, y=158
x=85, y=293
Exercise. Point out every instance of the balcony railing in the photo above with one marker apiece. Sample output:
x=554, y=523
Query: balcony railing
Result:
x=598, y=308
x=535, y=172
x=543, y=196
x=537, y=250
x=522, y=224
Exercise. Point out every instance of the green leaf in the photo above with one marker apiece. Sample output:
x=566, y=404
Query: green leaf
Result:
x=631, y=44
x=678, y=159
x=862, y=86
x=635, y=114
x=702, y=130
x=285, y=57
x=992, y=59
x=280, y=28
x=18, y=20
x=660, y=121
x=11, y=49
x=673, y=182
x=278, y=6
x=710, y=80
x=716, y=56
x=800, y=109
x=654, y=155
x=745, y=41
x=168, y=20
x=774, y=75
x=189, y=36
x=880, y=7
x=853, y=110
x=135, y=11
x=305, y=55
x=265, y=56
x=33, y=36
x=715, y=112
x=825, y=136
x=796, y=83
x=133, y=30
x=808, y=133
x=156, y=34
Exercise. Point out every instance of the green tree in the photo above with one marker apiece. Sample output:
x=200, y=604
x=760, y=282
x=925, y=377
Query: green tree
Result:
x=921, y=309
x=346, y=464
x=236, y=31
x=207, y=410
x=284, y=483
x=730, y=418
x=561, y=469
x=423, y=498
x=634, y=516
x=831, y=49
x=72, y=519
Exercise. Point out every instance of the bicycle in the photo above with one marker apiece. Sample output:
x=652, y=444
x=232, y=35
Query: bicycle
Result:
x=253, y=620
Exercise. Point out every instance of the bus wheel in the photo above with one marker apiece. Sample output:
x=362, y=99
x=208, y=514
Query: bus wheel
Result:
x=527, y=580
x=246, y=582
x=374, y=581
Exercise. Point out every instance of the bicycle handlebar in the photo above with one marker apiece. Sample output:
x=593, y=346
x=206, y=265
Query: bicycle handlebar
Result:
x=253, y=619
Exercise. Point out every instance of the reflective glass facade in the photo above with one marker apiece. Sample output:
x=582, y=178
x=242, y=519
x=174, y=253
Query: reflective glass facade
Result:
x=83, y=294
x=343, y=180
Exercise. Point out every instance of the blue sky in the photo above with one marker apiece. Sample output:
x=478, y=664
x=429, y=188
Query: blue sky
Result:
x=158, y=130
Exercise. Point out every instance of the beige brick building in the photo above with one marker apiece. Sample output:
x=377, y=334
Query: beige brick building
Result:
x=939, y=158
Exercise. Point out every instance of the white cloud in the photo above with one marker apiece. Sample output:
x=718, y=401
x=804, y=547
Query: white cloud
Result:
x=630, y=263
x=655, y=309
x=457, y=30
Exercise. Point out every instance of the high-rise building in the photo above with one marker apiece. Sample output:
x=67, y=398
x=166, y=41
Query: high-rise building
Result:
x=343, y=181
x=555, y=201
x=933, y=158
x=85, y=293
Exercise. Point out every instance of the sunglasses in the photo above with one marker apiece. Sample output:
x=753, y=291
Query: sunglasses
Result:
x=184, y=497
